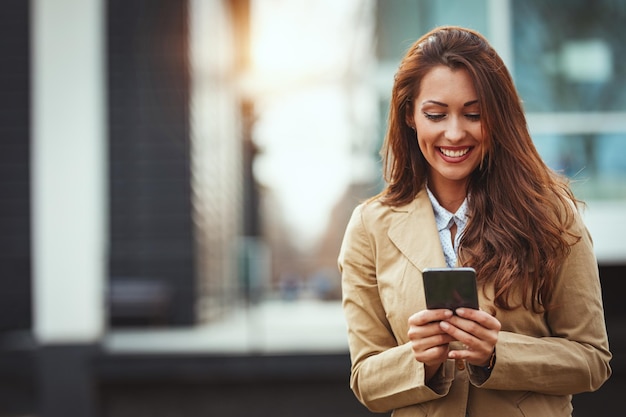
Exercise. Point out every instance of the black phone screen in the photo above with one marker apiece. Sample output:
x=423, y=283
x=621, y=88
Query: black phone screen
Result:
x=450, y=288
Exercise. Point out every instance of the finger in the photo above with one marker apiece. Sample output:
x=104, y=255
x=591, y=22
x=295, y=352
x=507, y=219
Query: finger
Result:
x=482, y=317
x=470, y=333
x=433, y=355
x=477, y=358
x=463, y=328
x=424, y=330
x=429, y=316
x=474, y=357
x=477, y=350
x=476, y=332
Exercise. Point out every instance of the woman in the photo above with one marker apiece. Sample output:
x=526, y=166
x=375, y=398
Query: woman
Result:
x=466, y=187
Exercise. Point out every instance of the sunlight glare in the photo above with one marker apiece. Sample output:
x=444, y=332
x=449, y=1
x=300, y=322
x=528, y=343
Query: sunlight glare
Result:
x=306, y=122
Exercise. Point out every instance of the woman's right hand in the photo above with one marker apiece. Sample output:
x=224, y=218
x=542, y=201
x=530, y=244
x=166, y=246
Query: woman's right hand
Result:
x=430, y=344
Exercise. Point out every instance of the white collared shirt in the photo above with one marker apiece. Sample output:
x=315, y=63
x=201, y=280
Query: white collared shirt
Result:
x=444, y=220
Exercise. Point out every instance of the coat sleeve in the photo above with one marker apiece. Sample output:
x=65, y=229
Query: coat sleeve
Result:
x=384, y=375
x=575, y=356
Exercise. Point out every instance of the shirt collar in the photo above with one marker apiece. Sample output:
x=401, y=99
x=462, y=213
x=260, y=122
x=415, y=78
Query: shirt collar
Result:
x=443, y=217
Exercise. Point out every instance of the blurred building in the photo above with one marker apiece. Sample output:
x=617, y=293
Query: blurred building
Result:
x=181, y=192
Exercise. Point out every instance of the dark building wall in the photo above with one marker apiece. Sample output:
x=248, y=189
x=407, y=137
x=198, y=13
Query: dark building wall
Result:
x=228, y=386
x=15, y=243
x=152, y=267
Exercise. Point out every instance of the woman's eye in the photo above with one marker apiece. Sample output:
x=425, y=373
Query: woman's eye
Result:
x=473, y=116
x=435, y=117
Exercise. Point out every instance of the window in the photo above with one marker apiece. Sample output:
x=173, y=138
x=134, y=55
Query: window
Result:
x=569, y=69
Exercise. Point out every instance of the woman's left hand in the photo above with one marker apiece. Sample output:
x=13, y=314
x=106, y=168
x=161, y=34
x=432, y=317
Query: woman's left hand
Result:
x=477, y=330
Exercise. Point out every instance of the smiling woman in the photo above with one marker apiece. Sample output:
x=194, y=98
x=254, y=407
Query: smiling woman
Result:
x=467, y=188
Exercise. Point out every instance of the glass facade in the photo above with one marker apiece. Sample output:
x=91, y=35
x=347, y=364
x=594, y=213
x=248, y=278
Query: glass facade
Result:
x=569, y=55
x=570, y=70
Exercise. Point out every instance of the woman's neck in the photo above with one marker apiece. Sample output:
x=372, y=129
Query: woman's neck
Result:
x=449, y=195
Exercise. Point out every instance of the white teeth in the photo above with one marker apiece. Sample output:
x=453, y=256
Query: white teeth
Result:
x=455, y=153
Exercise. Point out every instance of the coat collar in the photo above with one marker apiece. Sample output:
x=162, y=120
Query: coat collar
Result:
x=414, y=232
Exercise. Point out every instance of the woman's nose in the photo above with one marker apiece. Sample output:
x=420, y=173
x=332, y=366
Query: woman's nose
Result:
x=455, y=130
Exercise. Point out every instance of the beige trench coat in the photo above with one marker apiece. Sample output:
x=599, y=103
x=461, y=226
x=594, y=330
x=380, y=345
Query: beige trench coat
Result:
x=542, y=359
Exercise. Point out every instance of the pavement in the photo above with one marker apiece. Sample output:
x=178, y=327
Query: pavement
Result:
x=270, y=327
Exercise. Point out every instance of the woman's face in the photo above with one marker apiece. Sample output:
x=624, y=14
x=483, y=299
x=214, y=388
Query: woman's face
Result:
x=446, y=117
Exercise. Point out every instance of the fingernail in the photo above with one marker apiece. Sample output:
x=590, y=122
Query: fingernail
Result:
x=444, y=325
x=460, y=311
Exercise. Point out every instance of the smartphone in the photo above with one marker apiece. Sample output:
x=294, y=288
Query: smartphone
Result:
x=450, y=288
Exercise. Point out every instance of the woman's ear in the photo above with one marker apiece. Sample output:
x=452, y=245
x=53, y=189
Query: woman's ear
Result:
x=408, y=116
x=410, y=123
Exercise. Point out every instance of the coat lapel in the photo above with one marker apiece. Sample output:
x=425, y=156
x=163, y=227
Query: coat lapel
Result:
x=414, y=232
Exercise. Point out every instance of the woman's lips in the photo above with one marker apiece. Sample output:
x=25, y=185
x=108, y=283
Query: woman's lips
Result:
x=455, y=153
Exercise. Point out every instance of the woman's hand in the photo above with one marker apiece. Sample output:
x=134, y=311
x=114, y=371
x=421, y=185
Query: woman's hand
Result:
x=428, y=340
x=475, y=329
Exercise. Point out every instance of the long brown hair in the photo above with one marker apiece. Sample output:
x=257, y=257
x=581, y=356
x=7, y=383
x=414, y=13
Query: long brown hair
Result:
x=519, y=209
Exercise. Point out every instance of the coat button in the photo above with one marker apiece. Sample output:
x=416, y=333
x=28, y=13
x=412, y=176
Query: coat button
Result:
x=460, y=364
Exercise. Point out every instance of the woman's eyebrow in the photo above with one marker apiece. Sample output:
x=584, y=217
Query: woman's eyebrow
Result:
x=439, y=103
